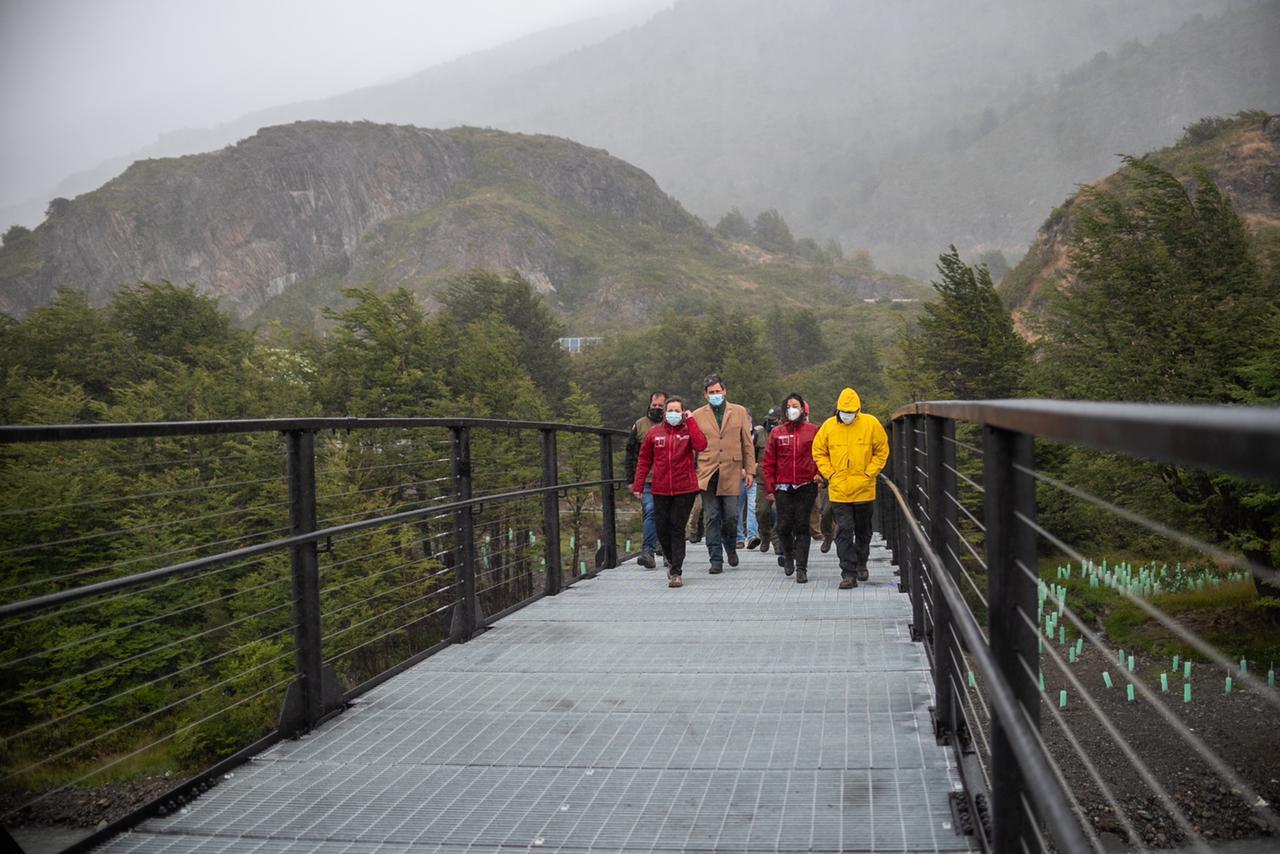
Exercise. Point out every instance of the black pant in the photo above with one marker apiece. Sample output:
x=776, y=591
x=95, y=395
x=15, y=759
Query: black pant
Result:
x=671, y=513
x=853, y=534
x=793, y=521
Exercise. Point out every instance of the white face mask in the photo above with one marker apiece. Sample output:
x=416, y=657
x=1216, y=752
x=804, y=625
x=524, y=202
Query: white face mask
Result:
x=793, y=413
x=674, y=418
x=847, y=417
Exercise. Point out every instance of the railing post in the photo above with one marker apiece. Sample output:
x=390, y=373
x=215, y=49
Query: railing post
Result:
x=916, y=564
x=314, y=693
x=466, y=614
x=1010, y=546
x=905, y=543
x=608, y=508
x=941, y=509
x=551, y=513
x=888, y=508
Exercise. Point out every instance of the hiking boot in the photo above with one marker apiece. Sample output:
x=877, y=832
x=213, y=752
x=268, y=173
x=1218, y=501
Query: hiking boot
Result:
x=789, y=567
x=826, y=544
x=848, y=582
x=674, y=580
x=716, y=567
x=753, y=542
x=646, y=559
x=863, y=575
x=802, y=575
x=733, y=556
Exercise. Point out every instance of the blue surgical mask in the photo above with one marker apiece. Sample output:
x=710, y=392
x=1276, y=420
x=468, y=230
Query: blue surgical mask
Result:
x=716, y=399
x=674, y=418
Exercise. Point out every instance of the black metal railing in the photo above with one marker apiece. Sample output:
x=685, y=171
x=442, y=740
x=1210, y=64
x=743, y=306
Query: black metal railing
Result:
x=216, y=586
x=960, y=504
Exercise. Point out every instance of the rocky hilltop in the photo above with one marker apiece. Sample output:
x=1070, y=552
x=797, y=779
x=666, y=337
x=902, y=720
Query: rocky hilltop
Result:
x=278, y=224
x=1242, y=155
x=315, y=205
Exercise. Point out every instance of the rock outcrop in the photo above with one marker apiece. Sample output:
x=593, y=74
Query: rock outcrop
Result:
x=344, y=204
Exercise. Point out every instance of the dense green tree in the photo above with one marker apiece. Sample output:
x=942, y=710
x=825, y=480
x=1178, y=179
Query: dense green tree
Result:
x=795, y=336
x=175, y=323
x=734, y=226
x=382, y=359
x=13, y=234
x=512, y=300
x=1170, y=305
x=965, y=346
x=771, y=232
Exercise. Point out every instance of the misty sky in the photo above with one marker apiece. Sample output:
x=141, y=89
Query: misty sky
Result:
x=82, y=81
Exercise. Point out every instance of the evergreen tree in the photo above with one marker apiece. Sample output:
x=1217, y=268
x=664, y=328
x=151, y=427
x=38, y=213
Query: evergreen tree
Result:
x=512, y=300
x=772, y=233
x=795, y=335
x=1169, y=305
x=734, y=226
x=965, y=346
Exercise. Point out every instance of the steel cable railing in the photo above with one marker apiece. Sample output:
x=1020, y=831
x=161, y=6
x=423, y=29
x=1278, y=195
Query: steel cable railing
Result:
x=1042, y=627
x=188, y=655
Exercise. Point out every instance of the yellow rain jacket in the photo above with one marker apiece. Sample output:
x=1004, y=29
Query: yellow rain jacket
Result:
x=850, y=456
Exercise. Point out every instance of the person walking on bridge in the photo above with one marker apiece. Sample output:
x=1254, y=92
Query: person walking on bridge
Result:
x=669, y=452
x=851, y=449
x=728, y=459
x=651, y=419
x=791, y=479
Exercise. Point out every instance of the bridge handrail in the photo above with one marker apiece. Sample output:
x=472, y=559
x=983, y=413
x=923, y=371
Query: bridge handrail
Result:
x=921, y=511
x=1164, y=432
x=10, y=434
x=314, y=694
x=63, y=597
x=1047, y=791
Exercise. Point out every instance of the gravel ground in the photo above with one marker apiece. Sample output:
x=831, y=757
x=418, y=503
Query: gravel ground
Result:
x=83, y=808
x=1239, y=727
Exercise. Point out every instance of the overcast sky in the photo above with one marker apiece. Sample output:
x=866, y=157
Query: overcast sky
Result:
x=82, y=81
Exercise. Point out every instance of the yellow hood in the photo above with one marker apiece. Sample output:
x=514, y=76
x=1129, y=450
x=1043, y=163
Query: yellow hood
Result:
x=849, y=401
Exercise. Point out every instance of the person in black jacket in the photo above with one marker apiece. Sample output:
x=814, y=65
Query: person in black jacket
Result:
x=645, y=423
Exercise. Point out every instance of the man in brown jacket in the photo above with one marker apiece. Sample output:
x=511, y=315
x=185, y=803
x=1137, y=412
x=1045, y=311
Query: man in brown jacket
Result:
x=729, y=457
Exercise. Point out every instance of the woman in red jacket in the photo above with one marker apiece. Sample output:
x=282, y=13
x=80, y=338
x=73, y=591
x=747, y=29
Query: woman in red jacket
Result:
x=670, y=450
x=791, y=479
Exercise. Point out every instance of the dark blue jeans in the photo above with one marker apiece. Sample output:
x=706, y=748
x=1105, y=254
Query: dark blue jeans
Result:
x=650, y=526
x=720, y=514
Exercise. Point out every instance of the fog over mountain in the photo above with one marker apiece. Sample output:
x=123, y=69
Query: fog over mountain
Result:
x=888, y=126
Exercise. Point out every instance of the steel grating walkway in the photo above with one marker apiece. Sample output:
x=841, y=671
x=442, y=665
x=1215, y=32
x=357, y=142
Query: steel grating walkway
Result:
x=743, y=712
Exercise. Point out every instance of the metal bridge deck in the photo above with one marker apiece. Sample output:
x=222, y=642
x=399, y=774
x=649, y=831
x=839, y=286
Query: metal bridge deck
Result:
x=743, y=712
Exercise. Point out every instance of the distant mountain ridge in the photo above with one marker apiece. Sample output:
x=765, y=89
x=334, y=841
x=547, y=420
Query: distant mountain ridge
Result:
x=277, y=225
x=810, y=106
x=988, y=187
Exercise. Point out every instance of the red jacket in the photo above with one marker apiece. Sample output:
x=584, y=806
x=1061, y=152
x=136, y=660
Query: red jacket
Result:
x=788, y=457
x=670, y=452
